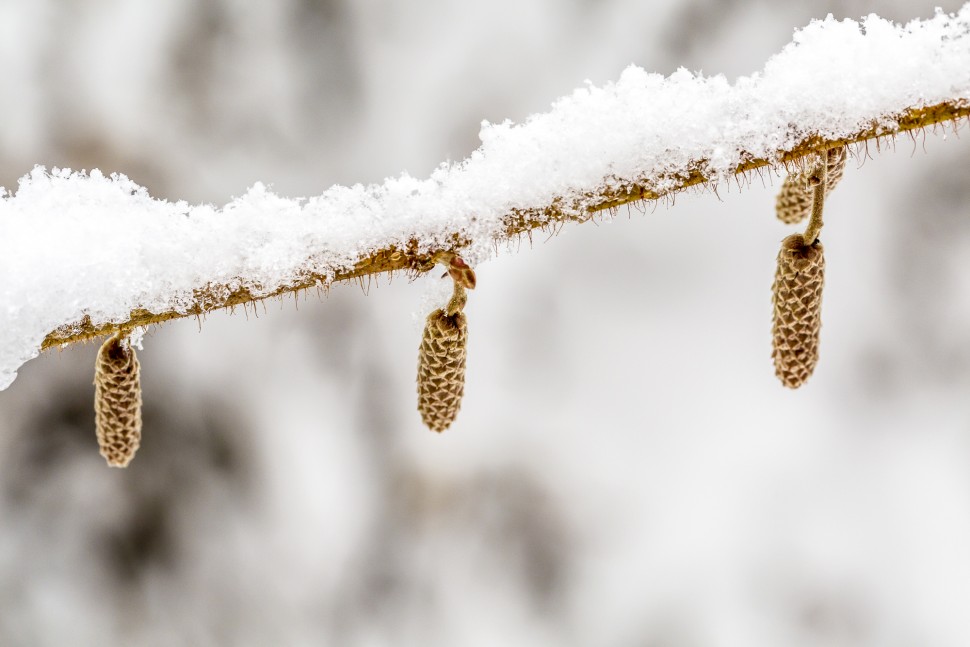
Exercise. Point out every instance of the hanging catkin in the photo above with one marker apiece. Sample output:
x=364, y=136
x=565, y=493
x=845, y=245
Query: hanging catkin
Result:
x=836, y=167
x=441, y=363
x=797, y=298
x=117, y=401
x=794, y=201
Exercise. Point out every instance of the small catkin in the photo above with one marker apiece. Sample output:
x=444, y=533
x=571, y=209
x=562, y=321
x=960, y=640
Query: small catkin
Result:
x=836, y=167
x=117, y=401
x=797, y=298
x=794, y=201
x=441, y=368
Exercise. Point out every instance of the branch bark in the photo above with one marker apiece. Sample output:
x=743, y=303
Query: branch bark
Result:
x=517, y=223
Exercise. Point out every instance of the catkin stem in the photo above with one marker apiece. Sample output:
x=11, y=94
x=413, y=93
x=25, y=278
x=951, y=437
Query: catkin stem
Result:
x=815, y=221
x=458, y=299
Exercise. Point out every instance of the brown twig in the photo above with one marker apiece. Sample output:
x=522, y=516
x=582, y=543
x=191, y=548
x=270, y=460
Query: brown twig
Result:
x=517, y=223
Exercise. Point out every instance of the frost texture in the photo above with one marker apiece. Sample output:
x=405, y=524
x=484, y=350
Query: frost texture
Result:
x=75, y=245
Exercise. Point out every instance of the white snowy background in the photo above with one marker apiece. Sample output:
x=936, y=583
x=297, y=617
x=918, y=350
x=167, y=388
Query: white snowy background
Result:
x=625, y=470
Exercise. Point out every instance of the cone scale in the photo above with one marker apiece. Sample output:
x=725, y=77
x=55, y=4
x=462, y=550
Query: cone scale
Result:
x=117, y=401
x=441, y=368
x=797, y=299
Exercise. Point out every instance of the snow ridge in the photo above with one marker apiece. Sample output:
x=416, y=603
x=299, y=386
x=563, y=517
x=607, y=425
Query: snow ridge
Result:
x=75, y=244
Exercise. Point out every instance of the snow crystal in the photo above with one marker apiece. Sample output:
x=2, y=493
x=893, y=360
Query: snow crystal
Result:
x=137, y=338
x=75, y=245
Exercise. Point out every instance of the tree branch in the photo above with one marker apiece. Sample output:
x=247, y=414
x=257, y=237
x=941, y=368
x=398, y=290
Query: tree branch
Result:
x=517, y=223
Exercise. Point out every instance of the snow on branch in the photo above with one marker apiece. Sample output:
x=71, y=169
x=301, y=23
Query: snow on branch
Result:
x=84, y=255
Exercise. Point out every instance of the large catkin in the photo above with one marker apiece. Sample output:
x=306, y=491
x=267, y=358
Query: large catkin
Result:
x=117, y=401
x=797, y=298
x=441, y=368
x=794, y=201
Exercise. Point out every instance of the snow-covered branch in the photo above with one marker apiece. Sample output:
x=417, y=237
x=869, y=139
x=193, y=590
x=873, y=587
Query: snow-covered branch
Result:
x=83, y=255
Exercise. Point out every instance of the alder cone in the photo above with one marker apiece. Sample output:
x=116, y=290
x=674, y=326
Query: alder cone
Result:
x=441, y=369
x=797, y=298
x=836, y=167
x=794, y=201
x=117, y=401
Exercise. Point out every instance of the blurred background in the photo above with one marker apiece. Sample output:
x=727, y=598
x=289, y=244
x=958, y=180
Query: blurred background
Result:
x=625, y=470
